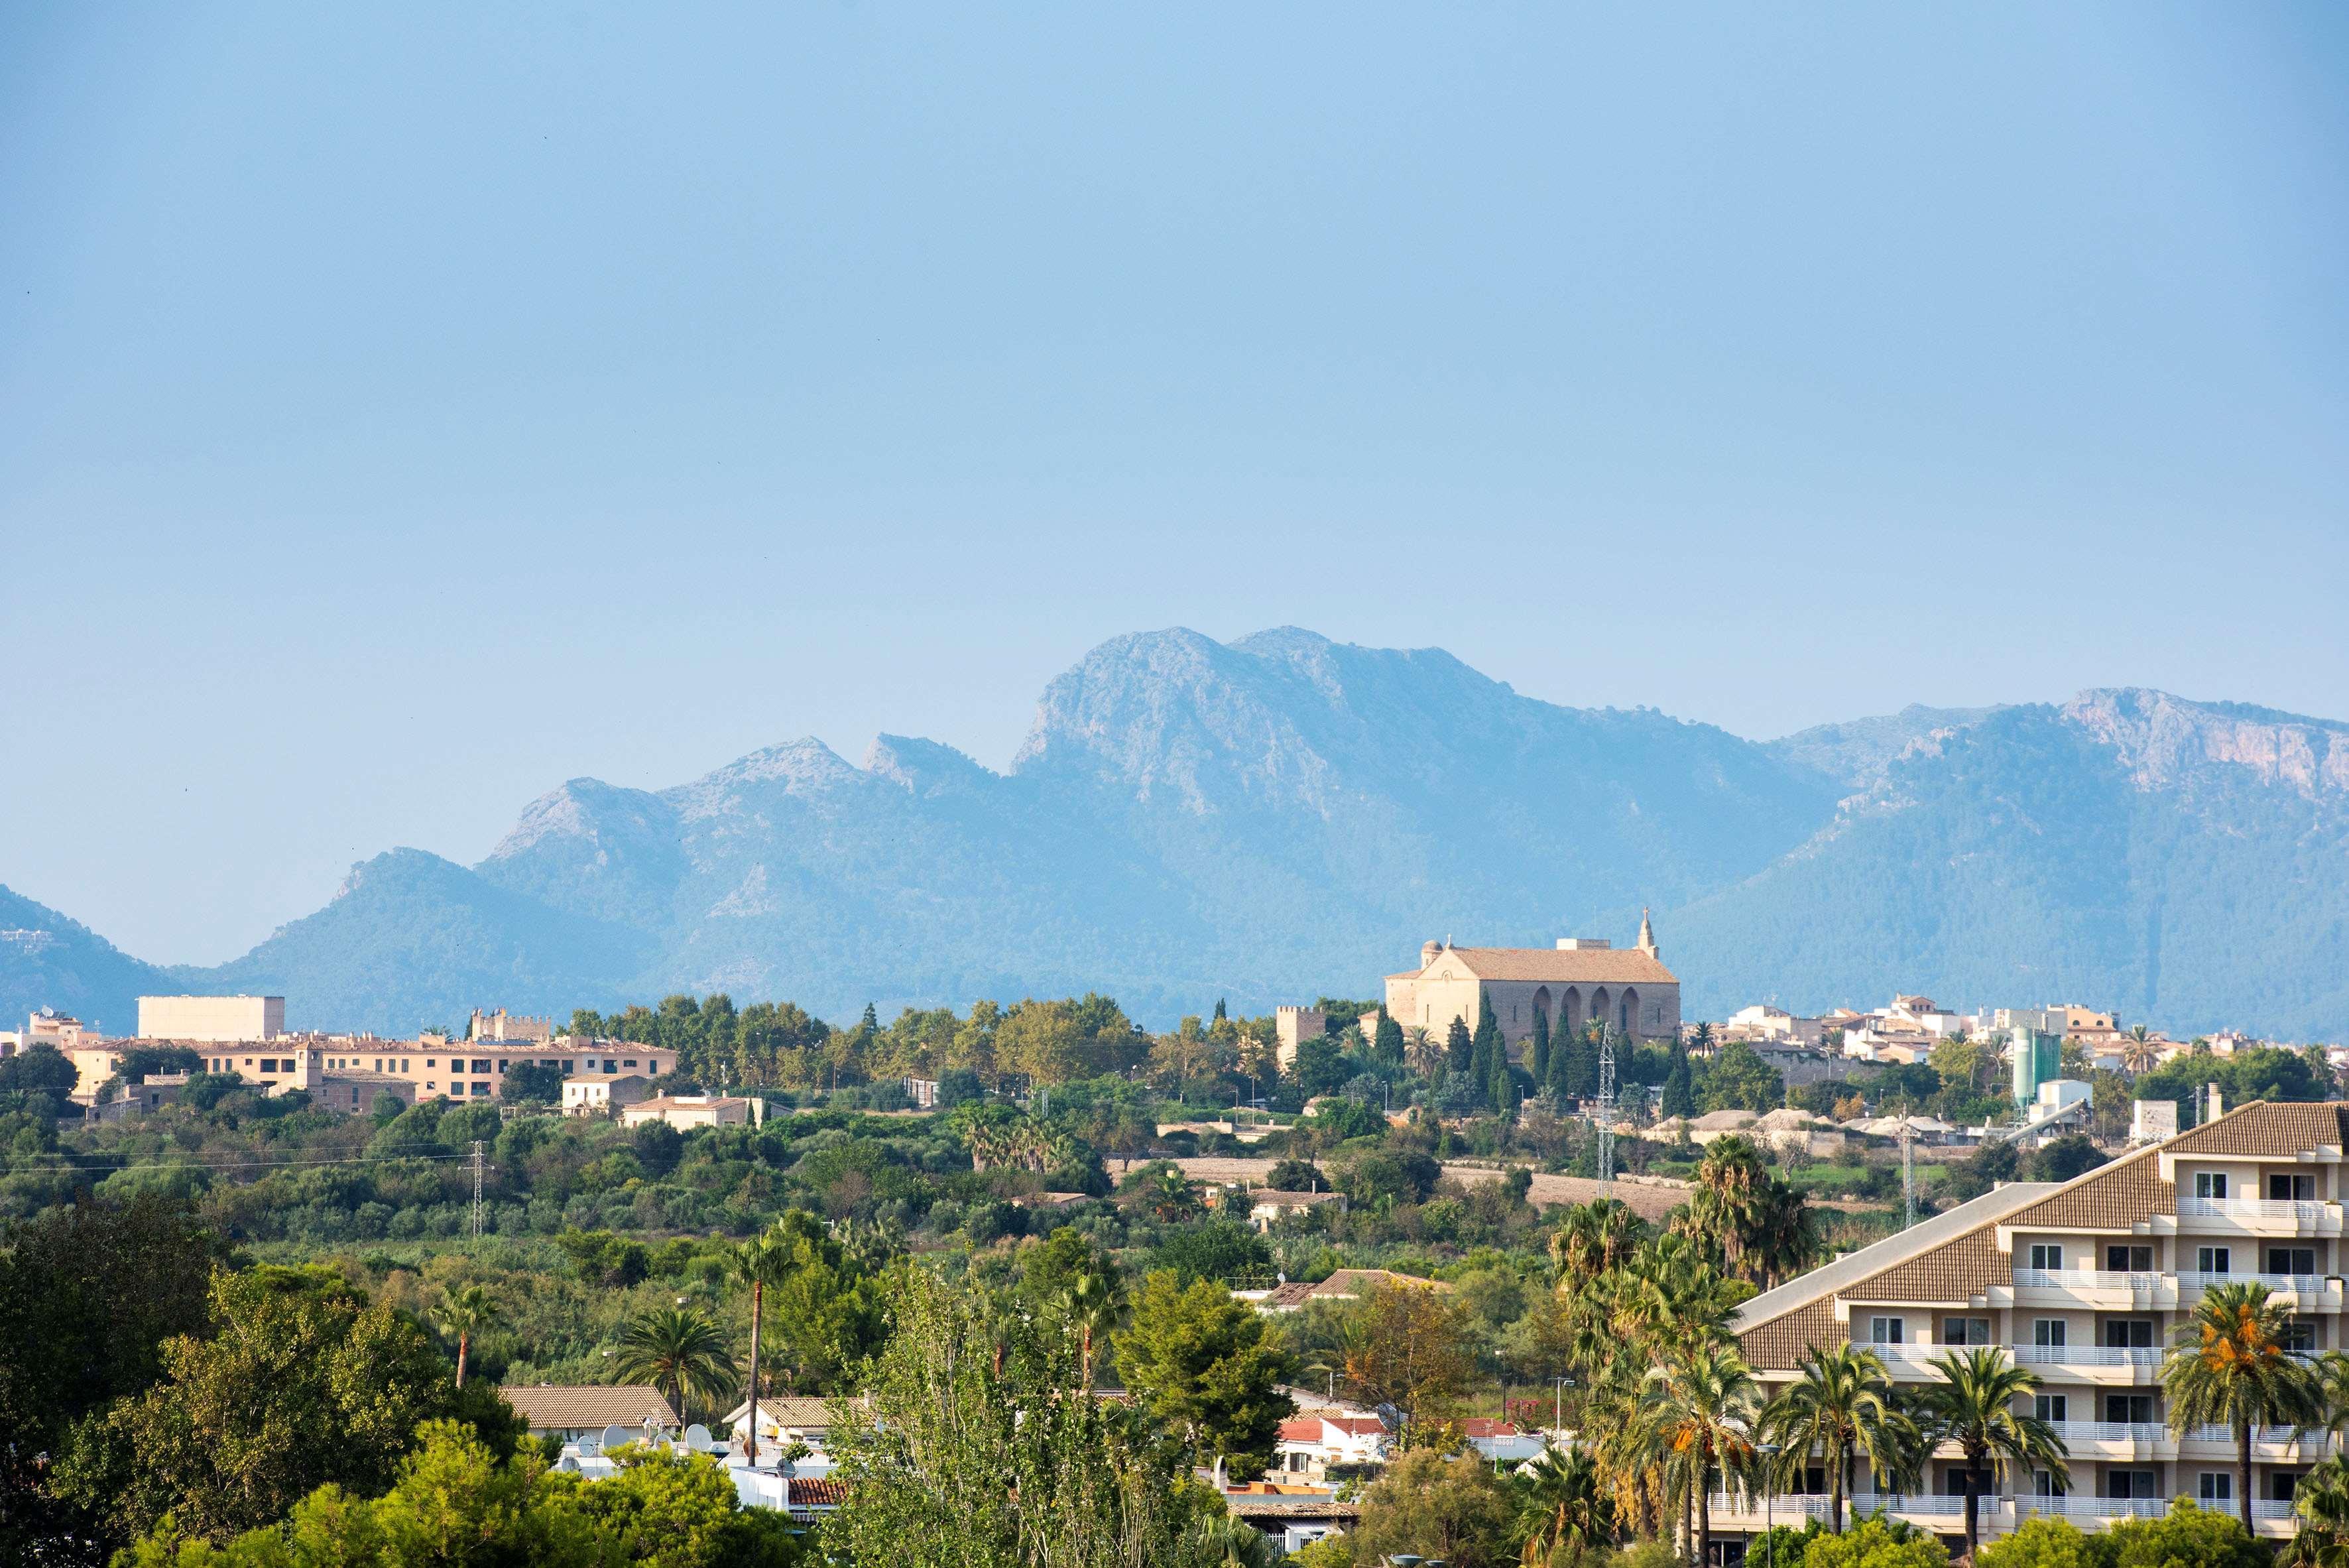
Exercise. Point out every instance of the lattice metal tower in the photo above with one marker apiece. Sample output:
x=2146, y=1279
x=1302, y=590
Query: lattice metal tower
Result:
x=1607, y=1106
x=476, y=1189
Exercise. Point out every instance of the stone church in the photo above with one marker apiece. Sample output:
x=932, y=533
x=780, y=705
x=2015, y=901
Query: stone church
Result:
x=1582, y=980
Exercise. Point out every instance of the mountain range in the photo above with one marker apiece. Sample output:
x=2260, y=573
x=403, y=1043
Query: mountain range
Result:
x=1283, y=817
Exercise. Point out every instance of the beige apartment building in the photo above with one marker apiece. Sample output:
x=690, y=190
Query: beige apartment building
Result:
x=358, y=1066
x=2083, y=1282
x=1584, y=980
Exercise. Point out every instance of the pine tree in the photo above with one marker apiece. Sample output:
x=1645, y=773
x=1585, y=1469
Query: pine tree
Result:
x=1219, y=1009
x=1538, y=1053
x=1679, y=1084
x=1457, y=1047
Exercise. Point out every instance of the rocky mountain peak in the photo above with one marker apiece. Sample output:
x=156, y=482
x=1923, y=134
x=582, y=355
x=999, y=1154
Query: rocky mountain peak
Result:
x=2162, y=739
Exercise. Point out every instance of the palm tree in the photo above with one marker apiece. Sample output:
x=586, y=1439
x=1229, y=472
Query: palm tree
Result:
x=2228, y=1365
x=1560, y=1508
x=2138, y=1054
x=756, y=1264
x=1842, y=1403
x=464, y=1312
x=1419, y=1049
x=1731, y=1207
x=2320, y=1504
x=1233, y=1542
x=1595, y=1237
x=1975, y=1409
x=680, y=1351
x=1093, y=1305
x=1697, y=1415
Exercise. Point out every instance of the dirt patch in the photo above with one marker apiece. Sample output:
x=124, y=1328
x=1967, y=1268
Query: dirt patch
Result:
x=1649, y=1199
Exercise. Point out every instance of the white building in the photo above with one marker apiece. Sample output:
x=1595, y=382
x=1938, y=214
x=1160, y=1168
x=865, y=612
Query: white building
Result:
x=686, y=1111
x=212, y=1020
x=584, y=1096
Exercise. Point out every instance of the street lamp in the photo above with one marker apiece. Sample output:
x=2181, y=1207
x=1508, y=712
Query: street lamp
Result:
x=1558, y=1403
x=1769, y=1495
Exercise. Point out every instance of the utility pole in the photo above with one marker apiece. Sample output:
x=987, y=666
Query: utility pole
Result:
x=477, y=1189
x=1607, y=1111
x=1907, y=1172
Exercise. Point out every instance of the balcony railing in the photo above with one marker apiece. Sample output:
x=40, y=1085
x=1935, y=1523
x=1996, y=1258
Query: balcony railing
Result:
x=1795, y=1507
x=2087, y=1355
x=2193, y=1283
x=2110, y=1431
x=2090, y=1279
x=2144, y=1507
x=2301, y=1211
x=2185, y=1281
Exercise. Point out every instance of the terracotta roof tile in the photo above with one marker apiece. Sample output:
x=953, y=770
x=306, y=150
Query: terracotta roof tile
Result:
x=1567, y=966
x=2266, y=1127
x=1784, y=1340
x=575, y=1406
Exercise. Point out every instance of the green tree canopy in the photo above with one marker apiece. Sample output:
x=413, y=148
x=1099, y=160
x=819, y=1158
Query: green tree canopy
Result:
x=301, y=1384
x=1208, y=1368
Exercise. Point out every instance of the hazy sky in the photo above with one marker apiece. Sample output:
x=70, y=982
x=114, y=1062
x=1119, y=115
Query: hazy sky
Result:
x=401, y=413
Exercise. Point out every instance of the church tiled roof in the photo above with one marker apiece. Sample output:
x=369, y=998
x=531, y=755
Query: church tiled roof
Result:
x=1562, y=965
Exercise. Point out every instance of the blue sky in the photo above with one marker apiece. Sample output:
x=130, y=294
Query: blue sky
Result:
x=403, y=410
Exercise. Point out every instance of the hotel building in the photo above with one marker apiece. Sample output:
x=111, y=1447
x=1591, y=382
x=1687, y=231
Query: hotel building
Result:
x=2082, y=1282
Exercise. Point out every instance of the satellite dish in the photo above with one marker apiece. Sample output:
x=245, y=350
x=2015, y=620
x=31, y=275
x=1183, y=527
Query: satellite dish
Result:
x=696, y=1438
x=567, y=1463
x=614, y=1437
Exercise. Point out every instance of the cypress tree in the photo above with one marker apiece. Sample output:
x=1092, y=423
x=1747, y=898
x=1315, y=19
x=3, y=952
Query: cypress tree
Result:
x=1388, y=1047
x=1501, y=1086
x=1487, y=1049
x=1559, y=1079
x=1219, y=1009
x=1538, y=1053
x=1458, y=1050
x=1585, y=1074
x=1679, y=1084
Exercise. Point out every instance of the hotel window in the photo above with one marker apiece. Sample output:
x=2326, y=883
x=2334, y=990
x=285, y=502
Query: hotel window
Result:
x=2215, y=1259
x=2292, y=1260
x=2121, y=1484
x=2128, y=1259
x=431, y=1062
x=2046, y=1485
x=2129, y=1409
x=502, y=1067
x=403, y=1064
x=481, y=1068
x=2291, y=1188
x=1888, y=1330
x=2051, y=1406
x=2049, y=1332
x=632, y=1061
x=481, y=1088
x=2129, y=1333
x=2300, y=1335
x=2216, y=1486
x=1965, y=1331
x=2209, y=1183
x=2047, y=1255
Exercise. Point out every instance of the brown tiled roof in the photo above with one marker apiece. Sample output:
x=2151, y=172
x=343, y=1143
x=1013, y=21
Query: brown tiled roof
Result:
x=547, y=1406
x=1784, y=1340
x=1955, y=1270
x=2114, y=1198
x=2266, y=1127
x=1565, y=966
x=818, y=1492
